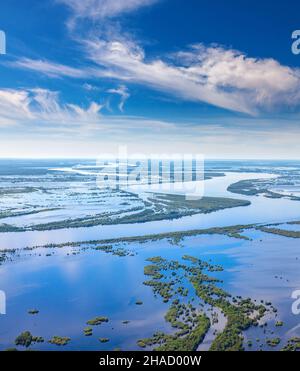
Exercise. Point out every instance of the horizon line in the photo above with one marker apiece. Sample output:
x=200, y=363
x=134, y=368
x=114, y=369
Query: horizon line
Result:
x=95, y=157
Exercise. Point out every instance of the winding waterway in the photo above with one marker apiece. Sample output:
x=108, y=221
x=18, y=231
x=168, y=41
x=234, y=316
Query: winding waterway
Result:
x=261, y=210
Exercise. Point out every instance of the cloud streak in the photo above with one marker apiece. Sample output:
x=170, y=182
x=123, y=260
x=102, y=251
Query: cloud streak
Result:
x=100, y=10
x=51, y=69
x=221, y=77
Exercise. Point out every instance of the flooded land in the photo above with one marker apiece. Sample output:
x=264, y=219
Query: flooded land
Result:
x=88, y=267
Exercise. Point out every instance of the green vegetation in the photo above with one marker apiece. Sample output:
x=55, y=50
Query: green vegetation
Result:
x=6, y=228
x=240, y=313
x=97, y=321
x=273, y=342
x=152, y=270
x=141, y=344
x=249, y=187
x=25, y=339
x=240, y=316
x=88, y=331
x=253, y=187
x=104, y=340
x=109, y=249
x=171, y=206
x=164, y=289
x=60, y=341
x=292, y=345
x=189, y=342
x=202, y=264
x=6, y=255
x=155, y=259
x=159, y=207
x=13, y=214
x=280, y=232
x=231, y=231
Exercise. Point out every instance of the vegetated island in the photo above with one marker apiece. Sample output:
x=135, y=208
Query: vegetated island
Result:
x=158, y=207
x=60, y=341
x=191, y=324
x=254, y=187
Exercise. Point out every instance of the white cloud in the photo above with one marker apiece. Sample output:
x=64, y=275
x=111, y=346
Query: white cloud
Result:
x=98, y=10
x=50, y=69
x=214, y=75
x=124, y=94
x=89, y=87
x=41, y=106
x=14, y=104
x=128, y=62
x=221, y=77
x=40, y=111
x=57, y=70
x=265, y=81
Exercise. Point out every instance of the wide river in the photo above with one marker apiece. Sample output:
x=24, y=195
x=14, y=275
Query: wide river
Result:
x=261, y=210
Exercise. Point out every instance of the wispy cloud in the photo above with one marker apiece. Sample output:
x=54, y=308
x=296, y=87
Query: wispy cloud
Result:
x=14, y=105
x=128, y=63
x=41, y=111
x=221, y=77
x=89, y=87
x=96, y=10
x=264, y=81
x=50, y=69
x=123, y=92
x=99, y=9
x=41, y=106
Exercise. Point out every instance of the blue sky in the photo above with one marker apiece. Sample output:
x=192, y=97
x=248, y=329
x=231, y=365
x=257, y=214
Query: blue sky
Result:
x=82, y=77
